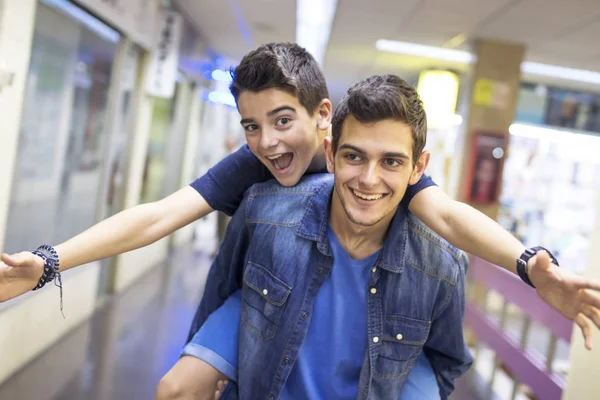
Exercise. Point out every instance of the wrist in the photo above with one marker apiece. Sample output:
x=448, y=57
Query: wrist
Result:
x=527, y=266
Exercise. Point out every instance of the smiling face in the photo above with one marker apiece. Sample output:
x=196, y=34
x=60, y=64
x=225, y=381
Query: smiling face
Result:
x=373, y=166
x=282, y=134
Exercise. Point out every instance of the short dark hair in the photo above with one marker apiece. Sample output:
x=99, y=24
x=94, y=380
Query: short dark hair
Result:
x=381, y=97
x=284, y=66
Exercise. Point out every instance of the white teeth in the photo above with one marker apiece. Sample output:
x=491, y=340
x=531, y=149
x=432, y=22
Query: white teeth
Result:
x=274, y=157
x=367, y=196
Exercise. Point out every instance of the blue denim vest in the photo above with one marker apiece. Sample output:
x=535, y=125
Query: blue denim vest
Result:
x=276, y=248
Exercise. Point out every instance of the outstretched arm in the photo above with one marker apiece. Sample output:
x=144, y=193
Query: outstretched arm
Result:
x=221, y=188
x=128, y=230
x=577, y=298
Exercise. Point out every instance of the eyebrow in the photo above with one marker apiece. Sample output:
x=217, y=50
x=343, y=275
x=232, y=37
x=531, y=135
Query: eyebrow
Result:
x=270, y=113
x=386, y=154
x=282, y=108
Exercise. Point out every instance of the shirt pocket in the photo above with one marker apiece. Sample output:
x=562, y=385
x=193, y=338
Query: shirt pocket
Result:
x=265, y=297
x=401, y=342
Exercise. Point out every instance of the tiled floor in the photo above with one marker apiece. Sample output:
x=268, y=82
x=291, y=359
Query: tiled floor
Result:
x=121, y=353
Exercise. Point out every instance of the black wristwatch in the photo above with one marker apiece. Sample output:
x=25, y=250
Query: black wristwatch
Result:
x=524, y=259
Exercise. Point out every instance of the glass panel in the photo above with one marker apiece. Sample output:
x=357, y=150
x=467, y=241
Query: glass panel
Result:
x=125, y=120
x=117, y=157
x=154, y=170
x=63, y=133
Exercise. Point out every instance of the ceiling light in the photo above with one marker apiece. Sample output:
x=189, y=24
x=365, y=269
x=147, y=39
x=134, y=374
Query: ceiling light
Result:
x=313, y=25
x=425, y=51
x=555, y=71
x=464, y=57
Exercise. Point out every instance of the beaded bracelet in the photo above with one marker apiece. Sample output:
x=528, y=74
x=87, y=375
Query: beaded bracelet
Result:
x=51, y=272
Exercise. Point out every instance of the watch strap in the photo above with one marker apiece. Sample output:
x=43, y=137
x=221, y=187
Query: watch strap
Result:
x=522, y=268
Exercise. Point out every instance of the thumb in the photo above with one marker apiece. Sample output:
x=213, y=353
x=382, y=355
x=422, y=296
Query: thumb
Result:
x=542, y=261
x=8, y=259
x=4, y=258
x=18, y=260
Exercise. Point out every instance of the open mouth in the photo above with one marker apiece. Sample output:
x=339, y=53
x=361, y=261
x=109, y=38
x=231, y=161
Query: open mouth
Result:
x=368, y=197
x=281, y=162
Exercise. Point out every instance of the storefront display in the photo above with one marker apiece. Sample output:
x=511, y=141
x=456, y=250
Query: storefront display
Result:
x=485, y=167
x=550, y=186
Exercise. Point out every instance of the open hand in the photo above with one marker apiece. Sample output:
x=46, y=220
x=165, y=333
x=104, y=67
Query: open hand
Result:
x=574, y=296
x=19, y=273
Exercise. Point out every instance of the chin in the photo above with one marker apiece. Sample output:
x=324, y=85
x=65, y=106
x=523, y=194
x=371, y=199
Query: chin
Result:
x=289, y=180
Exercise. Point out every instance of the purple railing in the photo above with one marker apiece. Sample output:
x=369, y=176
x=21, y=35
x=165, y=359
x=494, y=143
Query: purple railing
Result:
x=526, y=367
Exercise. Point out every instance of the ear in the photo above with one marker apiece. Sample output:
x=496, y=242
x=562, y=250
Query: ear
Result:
x=324, y=114
x=329, y=154
x=420, y=167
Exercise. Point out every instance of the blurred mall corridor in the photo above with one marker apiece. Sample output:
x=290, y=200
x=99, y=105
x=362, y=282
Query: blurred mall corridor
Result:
x=133, y=339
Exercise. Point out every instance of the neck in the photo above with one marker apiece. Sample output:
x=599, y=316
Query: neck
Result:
x=358, y=240
x=318, y=162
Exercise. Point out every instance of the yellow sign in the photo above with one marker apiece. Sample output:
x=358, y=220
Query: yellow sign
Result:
x=482, y=94
x=490, y=93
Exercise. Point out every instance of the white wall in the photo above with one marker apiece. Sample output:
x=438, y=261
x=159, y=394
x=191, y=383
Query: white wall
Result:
x=584, y=374
x=34, y=322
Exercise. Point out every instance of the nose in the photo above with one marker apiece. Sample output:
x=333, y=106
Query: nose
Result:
x=268, y=139
x=369, y=176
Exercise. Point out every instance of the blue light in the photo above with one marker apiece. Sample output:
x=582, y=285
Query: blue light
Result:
x=219, y=75
x=213, y=96
x=222, y=97
x=216, y=74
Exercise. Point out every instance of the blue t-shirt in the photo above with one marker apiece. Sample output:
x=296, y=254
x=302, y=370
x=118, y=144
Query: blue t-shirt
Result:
x=331, y=357
x=224, y=185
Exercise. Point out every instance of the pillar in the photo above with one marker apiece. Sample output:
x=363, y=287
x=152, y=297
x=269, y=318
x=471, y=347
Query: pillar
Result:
x=493, y=100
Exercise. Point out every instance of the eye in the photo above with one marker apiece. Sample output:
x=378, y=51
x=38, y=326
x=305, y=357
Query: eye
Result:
x=390, y=162
x=352, y=157
x=250, y=127
x=283, y=121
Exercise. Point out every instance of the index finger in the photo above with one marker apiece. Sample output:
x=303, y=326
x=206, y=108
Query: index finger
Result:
x=582, y=282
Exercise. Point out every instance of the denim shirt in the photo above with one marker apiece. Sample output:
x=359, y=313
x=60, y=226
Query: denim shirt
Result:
x=279, y=236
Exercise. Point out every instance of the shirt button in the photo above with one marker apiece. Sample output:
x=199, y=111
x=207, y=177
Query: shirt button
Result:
x=265, y=292
x=399, y=336
x=374, y=270
x=304, y=315
x=271, y=398
x=286, y=360
x=320, y=271
x=375, y=339
x=373, y=290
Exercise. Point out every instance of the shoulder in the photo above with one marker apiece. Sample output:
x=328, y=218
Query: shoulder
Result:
x=431, y=253
x=308, y=184
x=270, y=202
